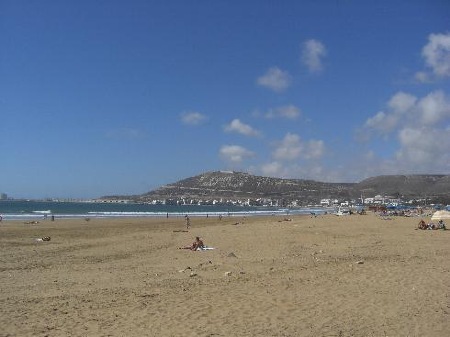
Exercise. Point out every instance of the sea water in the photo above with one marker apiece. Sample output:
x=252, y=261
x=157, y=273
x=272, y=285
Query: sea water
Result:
x=36, y=210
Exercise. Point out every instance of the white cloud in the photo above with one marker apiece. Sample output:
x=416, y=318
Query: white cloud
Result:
x=401, y=106
x=379, y=122
x=433, y=108
x=406, y=110
x=237, y=126
x=419, y=142
x=289, y=148
x=402, y=102
x=383, y=122
x=235, y=154
x=293, y=148
x=422, y=129
x=192, y=118
x=437, y=54
x=272, y=169
x=275, y=79
x=315, y=149
x=312, y=54
x=287, y=111
x=424, y=148
x=309, y=170
x=437, y=58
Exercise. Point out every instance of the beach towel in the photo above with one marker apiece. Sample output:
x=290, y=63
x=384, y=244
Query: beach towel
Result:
x=204, y=248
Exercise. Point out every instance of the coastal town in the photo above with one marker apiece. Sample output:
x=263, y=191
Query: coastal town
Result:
x=376, y=202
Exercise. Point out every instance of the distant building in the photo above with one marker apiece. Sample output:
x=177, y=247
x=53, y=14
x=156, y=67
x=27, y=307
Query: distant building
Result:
x=325, y=202
x=3, y=196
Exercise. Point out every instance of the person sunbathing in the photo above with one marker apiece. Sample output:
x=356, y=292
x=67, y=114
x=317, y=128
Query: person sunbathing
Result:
x=422, y=225
x=198, y=243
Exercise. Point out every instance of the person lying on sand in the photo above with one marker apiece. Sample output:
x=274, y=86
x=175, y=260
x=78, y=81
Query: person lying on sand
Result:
x=439, y=225
x=431, y=226
x=45, y=238
x=422, y=225
x=198, y=243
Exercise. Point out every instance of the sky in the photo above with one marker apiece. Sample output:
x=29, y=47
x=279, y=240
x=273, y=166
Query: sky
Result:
x=122, y=97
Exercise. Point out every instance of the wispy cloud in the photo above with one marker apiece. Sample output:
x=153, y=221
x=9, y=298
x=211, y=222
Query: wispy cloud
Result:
x=313, y=52
x=289, y=148
x=402, y=102
x=235, y=154
x=193, y=118
x=275, y=79
x=314, y=149
x=244, y=129
x=400, y=106
x=293, y=148
x=309, y=170
x=287, y=111
x=436, y=54
x=424, y=146
x=423, y=77
x=272, y=169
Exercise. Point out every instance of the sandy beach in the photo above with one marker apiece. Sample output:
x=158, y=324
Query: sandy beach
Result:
x=356, y=275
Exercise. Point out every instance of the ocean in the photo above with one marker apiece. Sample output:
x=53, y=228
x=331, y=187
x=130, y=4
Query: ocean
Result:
x=36, y=210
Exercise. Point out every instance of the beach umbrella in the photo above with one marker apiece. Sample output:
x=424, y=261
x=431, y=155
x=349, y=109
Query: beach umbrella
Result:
x=441, y=215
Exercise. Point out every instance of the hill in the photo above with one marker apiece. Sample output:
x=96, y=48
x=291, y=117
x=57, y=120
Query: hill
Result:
x=407, y=186
x=239, y=185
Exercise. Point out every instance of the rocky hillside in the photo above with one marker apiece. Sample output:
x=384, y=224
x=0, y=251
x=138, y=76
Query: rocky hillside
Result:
x=238, y=185
x=408, y=186
x=223, y=184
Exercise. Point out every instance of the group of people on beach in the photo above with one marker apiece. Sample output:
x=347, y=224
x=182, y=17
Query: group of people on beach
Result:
x=406, y=212
x=423, y=225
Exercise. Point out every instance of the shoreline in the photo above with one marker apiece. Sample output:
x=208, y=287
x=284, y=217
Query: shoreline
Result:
x=197, y=214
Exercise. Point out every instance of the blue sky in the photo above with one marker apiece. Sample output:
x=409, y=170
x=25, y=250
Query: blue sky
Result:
x=121, y=97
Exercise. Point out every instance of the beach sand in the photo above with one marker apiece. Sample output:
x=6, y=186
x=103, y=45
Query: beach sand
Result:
x=357, y=275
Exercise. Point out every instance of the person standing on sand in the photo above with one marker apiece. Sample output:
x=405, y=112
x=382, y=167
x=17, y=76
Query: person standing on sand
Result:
x=188, y=222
